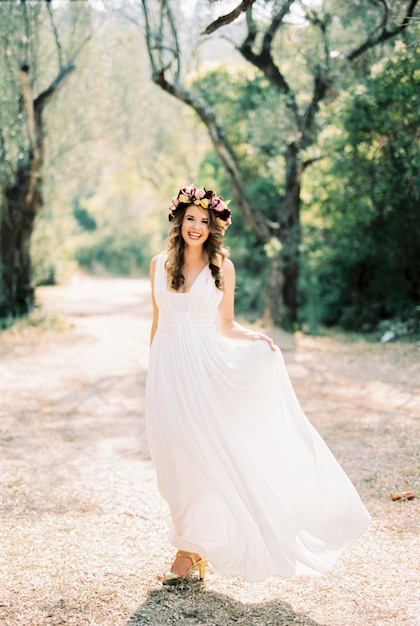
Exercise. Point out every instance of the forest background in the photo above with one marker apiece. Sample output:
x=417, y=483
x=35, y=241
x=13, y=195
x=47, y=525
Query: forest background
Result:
x=306, y=115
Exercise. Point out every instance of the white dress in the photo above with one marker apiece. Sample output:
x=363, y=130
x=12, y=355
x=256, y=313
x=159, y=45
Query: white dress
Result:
x=250, y=484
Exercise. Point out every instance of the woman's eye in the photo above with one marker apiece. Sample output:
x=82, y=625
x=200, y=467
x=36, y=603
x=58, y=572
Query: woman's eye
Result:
x=190, y=218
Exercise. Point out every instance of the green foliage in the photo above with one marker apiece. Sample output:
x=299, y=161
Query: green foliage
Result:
x=114, y=230
x=117, y=254
x=84, y=219
x=241, y=100
x=362, y=263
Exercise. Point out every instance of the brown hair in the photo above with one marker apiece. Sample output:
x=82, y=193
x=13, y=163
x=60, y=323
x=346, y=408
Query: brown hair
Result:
x=176, y=245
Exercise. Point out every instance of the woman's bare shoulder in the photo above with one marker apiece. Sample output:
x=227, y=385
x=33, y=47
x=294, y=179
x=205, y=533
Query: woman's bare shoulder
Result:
x=154, y=259
x=228, y=266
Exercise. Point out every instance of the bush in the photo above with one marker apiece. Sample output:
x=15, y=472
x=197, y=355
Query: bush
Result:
x=120, y=254
x=366, y=252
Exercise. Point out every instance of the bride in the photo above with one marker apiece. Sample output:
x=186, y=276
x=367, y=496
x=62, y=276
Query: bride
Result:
x=250, y=485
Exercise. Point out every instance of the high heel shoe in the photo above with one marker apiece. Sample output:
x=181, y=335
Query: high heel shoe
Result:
x=172, y=579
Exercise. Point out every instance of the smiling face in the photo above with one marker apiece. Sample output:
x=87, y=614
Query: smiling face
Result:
x=195, y=226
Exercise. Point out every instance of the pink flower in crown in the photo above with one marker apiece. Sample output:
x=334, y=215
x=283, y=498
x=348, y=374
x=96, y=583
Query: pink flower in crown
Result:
x=218, y=205
x=190, y=193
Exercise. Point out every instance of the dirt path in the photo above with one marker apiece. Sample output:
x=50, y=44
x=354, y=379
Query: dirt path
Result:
x=82, y=527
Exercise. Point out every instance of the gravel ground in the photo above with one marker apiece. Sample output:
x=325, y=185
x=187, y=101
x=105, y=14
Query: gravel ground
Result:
x=83, y=529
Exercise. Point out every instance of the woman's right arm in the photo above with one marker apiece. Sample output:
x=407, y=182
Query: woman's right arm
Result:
x=155, y=308
x=227, y=324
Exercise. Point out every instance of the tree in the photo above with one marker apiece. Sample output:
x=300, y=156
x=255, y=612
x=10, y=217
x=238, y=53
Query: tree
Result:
x=34, y=67
x=262, y=47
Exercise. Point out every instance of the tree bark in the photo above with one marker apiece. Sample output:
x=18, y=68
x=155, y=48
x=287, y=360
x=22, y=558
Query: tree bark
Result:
x=21, y=201
x=290, y=237
x=282, y=286
x=223, y=20
x=274, y=308
x=16, y=225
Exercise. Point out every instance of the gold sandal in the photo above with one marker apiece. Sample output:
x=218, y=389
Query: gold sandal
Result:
x=172, y=579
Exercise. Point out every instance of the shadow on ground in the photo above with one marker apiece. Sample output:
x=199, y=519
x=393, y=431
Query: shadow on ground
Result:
x=194, y=606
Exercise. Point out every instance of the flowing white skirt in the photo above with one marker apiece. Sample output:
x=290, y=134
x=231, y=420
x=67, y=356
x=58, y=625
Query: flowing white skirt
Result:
x=250, y=484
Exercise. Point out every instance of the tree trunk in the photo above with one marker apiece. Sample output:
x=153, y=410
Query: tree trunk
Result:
x=274, y=308
x=20, y=203
x=282, y=288
x=16, y=226
x=291, y=234
x=16, y=290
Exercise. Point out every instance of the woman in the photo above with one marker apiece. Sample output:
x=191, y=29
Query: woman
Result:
x=250, y=484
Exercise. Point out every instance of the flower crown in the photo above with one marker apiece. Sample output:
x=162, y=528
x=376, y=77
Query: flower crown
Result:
x=206, y=199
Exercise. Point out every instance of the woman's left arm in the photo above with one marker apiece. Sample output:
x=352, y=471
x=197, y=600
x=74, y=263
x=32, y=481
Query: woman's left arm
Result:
x=226, y=316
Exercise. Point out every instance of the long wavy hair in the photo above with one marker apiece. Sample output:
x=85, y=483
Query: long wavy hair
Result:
x=176, y=246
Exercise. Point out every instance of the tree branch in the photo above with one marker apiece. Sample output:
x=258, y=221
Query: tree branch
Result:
x=307, y=121
x=383, y=35
x=264, y=59
x=35, y=136
x=308, y=162
x=384, y=5
x=46, y=95
x=34, y=109
x=78, y=50
x=322, y=78
x=159, y=43
x=229, y=17
x=28, y=103
x=275, y=24
x=56, y=35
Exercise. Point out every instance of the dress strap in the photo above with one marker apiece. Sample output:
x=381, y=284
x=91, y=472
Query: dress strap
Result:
x=161, y=276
